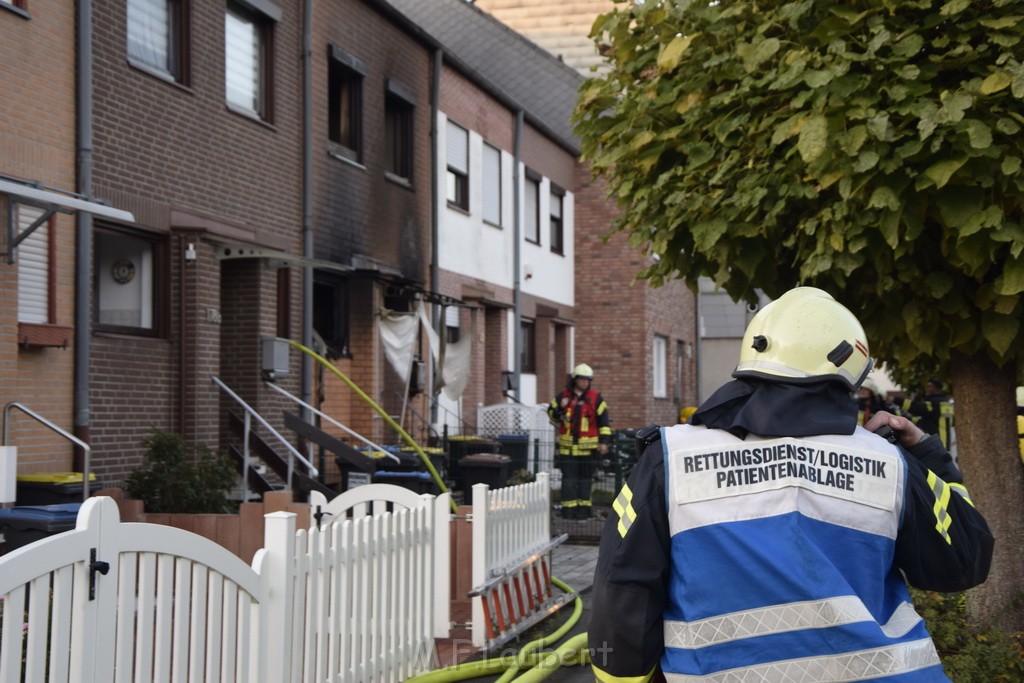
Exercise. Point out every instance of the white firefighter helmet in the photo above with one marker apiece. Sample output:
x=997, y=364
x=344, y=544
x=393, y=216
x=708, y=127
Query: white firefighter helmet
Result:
x=583, y=370
x=805, y=336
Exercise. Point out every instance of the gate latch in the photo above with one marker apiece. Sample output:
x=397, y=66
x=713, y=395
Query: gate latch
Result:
x=95, y=566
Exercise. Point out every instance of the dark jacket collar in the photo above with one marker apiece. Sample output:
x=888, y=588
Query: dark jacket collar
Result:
x=746, y=406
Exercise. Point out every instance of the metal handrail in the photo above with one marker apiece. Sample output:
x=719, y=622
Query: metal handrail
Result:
x=292, y=452
x=46, y=423
x=317, y=411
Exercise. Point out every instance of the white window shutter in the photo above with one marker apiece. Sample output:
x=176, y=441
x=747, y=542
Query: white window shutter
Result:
x=457, y=142
x=33, y=268
x=492, y=185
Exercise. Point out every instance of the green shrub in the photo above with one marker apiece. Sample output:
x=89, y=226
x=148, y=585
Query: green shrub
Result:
x=170, y=481
x=969, y=654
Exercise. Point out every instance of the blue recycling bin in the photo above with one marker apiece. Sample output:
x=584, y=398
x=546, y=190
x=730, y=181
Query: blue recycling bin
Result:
x=27, y=524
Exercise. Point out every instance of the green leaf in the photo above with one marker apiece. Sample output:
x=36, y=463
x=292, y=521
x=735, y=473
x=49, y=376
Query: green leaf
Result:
x=813, y=138
x=1010, y=165
x=1012, y=279
x=941, y=172
x=884, y=198
x=999, y=331
x=757, y=53
x=954, y=7
x=939, y=284
x=707, y=234
x=641, y=139
x=671, y=54
x=995, y=82
x=979, y=134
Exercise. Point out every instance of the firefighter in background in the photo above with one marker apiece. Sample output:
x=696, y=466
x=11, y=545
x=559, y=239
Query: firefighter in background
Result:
x=584, y=426
x=934, y=415
x=772, y=538
x=870, y=400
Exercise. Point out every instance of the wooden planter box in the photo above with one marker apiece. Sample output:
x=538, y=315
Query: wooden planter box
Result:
x=242, y=534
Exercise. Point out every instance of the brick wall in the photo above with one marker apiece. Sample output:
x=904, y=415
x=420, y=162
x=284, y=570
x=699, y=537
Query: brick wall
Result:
x=37, y=142
x=195, y=172
x=618, y=319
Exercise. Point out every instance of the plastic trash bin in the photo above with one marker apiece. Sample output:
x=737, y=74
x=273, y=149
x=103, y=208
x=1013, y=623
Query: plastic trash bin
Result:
x=53, y=488
x=461, y=445
x=27, y=524
x=492, y=469
x=419, y=482
x=516, y=447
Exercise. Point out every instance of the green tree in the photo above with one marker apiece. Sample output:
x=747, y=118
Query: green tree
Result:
x=870, y=148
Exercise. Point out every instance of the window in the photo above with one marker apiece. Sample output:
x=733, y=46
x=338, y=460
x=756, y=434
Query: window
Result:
x=658, y=365
x=330, y=313
x=457, y=142
x=531, y=210
x=345, y=102
x=451, y=324
x=527, y=350
x=155, y=36
x=127, y=282
x=555, y=211
x=20, y=4
x=398, y=110
x=35, y=267
x=492, y=185
x=247, y=56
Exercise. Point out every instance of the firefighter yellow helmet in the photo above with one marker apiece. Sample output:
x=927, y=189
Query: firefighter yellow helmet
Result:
x=805, y=336
x=583, y=370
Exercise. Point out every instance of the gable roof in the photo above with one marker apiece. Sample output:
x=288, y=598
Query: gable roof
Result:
x=504, y=62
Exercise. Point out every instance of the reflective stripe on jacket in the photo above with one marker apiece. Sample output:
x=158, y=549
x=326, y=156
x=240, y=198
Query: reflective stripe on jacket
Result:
x=582, y=423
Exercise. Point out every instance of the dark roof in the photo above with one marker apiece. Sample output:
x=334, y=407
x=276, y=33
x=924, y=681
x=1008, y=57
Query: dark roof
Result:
x=507, y=64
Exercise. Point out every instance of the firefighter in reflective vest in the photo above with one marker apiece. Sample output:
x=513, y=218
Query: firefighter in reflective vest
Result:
x=772, y=538
x=934, y=415
x=584, y=427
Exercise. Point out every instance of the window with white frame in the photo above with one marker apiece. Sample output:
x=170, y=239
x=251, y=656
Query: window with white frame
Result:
x=155, y=35
x=457, y=153
x=658, y=366
x=35, y=255
x=531, y=210
x=492, y=185
x=247, y=57
x=557, y=229
x=126, y=284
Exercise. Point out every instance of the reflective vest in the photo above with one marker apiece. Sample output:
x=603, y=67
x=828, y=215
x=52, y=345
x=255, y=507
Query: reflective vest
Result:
x=782, y=561
x=579, y=427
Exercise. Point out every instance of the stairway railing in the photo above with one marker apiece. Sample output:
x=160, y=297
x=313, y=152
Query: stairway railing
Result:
x=46, y=423
x=251, y=414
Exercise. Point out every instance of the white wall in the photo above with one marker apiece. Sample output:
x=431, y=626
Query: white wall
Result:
x=469, y=246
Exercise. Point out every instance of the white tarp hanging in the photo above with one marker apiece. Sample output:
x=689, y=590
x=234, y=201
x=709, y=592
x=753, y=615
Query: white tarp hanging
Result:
x=455, y=370
x=398, y=333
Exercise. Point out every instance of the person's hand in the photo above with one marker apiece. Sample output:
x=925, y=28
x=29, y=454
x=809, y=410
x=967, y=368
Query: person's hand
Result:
x=602, y=448
x=907, y=432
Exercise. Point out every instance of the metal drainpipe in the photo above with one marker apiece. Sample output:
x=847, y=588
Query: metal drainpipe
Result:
x=307, y=205
x=435, y=221
x=83, y=228
x=517, y=303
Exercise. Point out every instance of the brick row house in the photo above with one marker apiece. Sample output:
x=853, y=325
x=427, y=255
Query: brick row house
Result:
x=258, y=181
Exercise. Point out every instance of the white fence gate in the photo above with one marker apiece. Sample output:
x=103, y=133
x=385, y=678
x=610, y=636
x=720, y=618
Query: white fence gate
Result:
x=360, y=599
x=131, y=602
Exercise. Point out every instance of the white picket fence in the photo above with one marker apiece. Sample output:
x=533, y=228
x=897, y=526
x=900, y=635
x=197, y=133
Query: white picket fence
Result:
x=359, y=599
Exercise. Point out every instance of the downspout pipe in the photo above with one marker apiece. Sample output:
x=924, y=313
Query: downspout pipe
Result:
x=307, y=205
x=435, y=217
x=83, y=228
x=517, y=231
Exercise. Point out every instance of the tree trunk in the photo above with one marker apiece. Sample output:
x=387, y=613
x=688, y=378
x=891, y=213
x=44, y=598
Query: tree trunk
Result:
x=988, y=455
